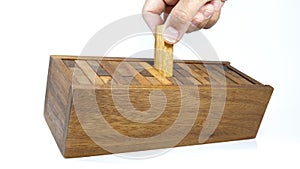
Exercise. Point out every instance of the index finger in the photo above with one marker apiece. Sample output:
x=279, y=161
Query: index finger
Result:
x=151, y=13
x=180, y=19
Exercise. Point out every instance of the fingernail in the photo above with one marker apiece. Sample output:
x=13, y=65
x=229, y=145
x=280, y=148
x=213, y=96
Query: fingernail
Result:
x=170, y=35
x=217, y=5
x=208, y=13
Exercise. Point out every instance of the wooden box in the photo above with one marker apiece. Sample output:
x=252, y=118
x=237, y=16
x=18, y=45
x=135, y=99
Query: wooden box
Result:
x=97, y=106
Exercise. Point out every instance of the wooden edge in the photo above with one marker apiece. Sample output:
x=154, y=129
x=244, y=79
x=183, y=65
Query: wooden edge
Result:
x=68, y=117
x=62, y=68
x=269, y=87
x=59, y=64
x=68, y=75
x=230, y=76
x=171, y=87
x=244, y=75
x=267, y=101
x=74, y=57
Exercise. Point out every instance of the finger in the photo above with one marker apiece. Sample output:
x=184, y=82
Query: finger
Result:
x=203, y=16
x=213, y=20
x=180, y=18
x=171, y=2
x=151, y=13
x=169, y=6
x=199, y=20
x=167, y=11
x=218, y=4
x=215, y=17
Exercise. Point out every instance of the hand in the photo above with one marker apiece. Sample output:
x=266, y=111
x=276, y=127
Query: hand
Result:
x=181, y=16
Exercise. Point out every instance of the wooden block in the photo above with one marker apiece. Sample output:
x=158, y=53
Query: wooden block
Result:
x=88, y=108
x=163, y=59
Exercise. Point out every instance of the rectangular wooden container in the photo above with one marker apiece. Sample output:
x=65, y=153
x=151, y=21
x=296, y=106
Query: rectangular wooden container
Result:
x=211, y=98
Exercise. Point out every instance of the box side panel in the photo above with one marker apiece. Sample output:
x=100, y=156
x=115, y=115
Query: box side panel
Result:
x=57, y=100
x=241, y=118
x=243, y=112
x=97, y=115
x=78, y=143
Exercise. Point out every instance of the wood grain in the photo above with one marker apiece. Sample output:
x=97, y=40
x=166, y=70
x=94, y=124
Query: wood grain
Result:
x=73, y=103
x=161, y=78
x=89, y=72
x=163, y=58
x=106, y=58
x=58, y=101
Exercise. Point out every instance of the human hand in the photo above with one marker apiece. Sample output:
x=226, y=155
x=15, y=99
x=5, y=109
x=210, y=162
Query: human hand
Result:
x=181, y=16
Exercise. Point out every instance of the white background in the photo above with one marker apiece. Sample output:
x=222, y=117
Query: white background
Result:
x=260, y=38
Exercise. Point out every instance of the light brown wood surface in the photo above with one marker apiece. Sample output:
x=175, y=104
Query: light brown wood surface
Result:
x=163, y=58
x=79, y=87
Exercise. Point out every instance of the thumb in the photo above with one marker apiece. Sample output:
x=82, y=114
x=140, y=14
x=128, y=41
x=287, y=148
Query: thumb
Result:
x=180, y=18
